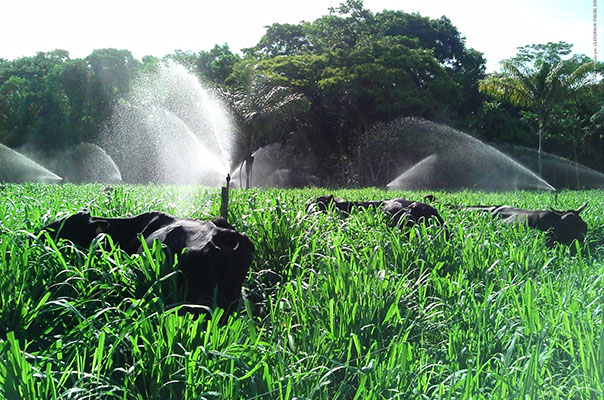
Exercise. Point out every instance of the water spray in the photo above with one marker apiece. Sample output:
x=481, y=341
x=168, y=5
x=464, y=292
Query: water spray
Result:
x=170, y=129
x=451, y=159
x=18, y=168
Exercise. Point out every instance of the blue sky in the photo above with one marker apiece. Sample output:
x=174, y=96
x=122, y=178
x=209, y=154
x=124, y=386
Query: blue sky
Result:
x=158, y=27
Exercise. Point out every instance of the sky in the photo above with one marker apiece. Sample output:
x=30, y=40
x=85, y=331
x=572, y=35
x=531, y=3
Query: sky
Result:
x=158, y=27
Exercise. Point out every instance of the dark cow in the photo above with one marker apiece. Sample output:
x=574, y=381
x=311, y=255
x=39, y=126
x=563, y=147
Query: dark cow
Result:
x=323, y=203
x=213, y=256
x=561, y=226
x=408, y=213
x=81, y=228
x=402, y=212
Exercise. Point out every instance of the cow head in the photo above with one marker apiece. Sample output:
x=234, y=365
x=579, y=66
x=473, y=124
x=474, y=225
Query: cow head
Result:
x=567, y=226
x=406, y=213
x=424, y=212
x=234, y=251
x=429, y=198
x=219, y=267
x=80, y=228
x=322, y=203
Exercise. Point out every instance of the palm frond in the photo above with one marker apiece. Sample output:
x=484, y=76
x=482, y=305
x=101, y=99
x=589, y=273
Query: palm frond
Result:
x=506, y=88
x=580, y=77
x=520, y=72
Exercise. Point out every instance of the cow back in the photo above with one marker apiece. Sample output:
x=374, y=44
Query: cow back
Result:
x=563, y=227
x=79, y=228
x=407, y=213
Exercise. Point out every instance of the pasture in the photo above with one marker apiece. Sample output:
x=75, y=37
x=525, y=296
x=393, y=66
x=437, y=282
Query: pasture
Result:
x=333, y=307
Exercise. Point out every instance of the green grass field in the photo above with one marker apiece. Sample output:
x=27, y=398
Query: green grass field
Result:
x=334, y=308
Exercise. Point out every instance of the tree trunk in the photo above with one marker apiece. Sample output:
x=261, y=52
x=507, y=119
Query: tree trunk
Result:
x=249, y=163
x=241, y=173
x=249, y=159
x=360, y=164
x=539, y=152
x=343, y=172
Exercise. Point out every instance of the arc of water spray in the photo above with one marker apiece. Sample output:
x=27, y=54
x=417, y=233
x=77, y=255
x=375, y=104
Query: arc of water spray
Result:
x=462, y=148
x=183, y=128
x=213, y=119
x=18, y=168
x=522, y=168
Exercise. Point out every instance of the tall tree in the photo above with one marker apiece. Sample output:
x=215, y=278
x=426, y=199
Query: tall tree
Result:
x=33, y=94
x=112, y=73
x=13, y=94
x=73, y=80
x=539, y=80
x=283, y=40
x=217, y=64
x=259, y=107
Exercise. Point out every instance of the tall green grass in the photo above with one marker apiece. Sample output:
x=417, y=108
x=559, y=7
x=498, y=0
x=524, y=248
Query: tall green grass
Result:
x=333, y=307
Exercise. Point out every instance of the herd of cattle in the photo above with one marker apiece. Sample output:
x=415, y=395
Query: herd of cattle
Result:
x=215, y=259
x=560, y=226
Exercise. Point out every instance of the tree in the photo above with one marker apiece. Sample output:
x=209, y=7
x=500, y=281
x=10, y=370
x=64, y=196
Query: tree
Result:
x=283, y=40
x=572, y=129
x=112, y=73
x=13, y=93
x=73, y=79
x=346, y=27
x=539, y=80
x=187, y=59
x=597, y=124
x=30, y=92
x=358, y=68
x=259, y=107
x=217, y=64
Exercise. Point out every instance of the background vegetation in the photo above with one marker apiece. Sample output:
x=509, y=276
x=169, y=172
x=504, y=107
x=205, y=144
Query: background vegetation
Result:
x=320, y=85
x=334, y=308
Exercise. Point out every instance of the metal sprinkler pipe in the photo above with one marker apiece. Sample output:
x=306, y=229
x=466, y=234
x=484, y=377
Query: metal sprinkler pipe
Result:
x=224, y=205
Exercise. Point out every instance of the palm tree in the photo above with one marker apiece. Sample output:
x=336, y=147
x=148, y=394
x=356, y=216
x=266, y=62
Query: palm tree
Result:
x=538, y=86
x=260, y=108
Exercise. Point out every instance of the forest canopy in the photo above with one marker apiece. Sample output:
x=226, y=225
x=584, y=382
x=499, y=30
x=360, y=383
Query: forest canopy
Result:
x=330, y=81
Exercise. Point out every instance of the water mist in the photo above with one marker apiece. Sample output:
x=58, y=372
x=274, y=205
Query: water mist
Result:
x=171, y=130
x=440, y=157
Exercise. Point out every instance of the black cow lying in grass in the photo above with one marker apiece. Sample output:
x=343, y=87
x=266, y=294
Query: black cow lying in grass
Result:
x=561, y=226
x=213, y=256
x=402, y=212
x=324, y=203
x=408, y=213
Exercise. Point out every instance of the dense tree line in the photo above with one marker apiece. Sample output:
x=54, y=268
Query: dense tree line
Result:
x=321, y=85
x=50, y=100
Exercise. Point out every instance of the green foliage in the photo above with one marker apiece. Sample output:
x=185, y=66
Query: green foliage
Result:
x=501, y=122
x=260, y=106
x=283, y=40
x=334, y=307
x=217, y=64
x=50, y=101
x=558, y=92
x=357, y=68
x=536, y=82
x=549, y=53
x=342, y=73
